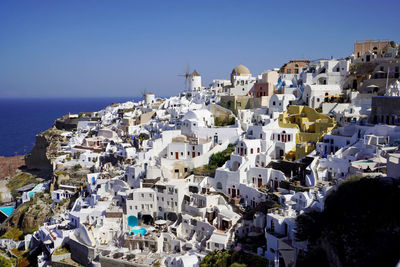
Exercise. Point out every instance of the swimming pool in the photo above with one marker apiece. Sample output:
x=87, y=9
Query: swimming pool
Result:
x=133, y=221
x=365, y=161
x=141, y=231
x=7, y=210
x=34, y=190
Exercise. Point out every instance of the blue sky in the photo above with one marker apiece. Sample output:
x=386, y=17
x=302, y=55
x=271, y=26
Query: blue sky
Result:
x=119, y=48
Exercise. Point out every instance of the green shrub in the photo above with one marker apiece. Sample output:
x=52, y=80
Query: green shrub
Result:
x=77, y=167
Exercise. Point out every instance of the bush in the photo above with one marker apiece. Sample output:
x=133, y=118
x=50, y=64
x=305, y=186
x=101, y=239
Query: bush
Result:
x=225, y=121
x=14, y=234
x=235, y=259
x=77, y=167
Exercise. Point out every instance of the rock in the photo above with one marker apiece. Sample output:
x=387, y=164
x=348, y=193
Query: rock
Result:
x=45, y=150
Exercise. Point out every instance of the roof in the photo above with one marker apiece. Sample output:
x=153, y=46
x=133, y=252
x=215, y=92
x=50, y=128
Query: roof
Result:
x=195, y=73
x=240, y=71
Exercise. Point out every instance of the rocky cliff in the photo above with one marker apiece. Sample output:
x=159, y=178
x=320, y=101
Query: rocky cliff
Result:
x=45, y=150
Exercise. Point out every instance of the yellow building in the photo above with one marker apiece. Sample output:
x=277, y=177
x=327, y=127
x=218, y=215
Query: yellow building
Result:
x=312, y=127
x=235, y=103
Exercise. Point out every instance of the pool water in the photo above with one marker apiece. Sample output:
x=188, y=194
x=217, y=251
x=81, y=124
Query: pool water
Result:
x=365, y=161
x=132, y=221
x=141, y=231
x=7, y=210
x=34, y=190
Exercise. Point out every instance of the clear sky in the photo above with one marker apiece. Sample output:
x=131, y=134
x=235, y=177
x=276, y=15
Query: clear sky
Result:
x=119, y=48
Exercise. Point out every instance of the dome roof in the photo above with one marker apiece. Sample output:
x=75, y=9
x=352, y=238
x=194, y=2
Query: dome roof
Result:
x=240, y=71
x=194, y=73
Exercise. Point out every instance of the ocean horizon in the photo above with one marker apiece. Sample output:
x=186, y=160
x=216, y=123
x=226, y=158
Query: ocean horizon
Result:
x=23, y=118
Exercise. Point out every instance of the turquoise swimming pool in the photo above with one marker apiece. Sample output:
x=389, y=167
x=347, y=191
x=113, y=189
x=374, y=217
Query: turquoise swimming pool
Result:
x=365, y=161
x=133, y=221
x=141, y=231
x=7, y=210
x=34, y=190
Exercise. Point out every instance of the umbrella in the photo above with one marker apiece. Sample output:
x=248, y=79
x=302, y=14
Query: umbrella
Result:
x=160, y=222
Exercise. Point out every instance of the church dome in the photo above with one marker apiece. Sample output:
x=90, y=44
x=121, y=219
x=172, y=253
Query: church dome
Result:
x=241, y=71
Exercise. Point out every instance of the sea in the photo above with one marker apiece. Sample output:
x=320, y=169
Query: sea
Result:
x=21, y=119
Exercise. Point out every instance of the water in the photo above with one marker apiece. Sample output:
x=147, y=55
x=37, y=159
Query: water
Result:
x=7, y=210
x=22, y=119
x=141, y=231
x=132, y=221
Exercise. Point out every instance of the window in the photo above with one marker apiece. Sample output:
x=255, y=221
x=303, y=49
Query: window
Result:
x=135, y=207
x=289, y=71
x=142, y=206
x=251, y=151
x=288, y=137
x=130, y=207
x=142, y=195
x=296, y=71
x=273, y=103
x=172, y=153
x=219, y=186
x=238, y=104
x=198, y=153
x=181, y=153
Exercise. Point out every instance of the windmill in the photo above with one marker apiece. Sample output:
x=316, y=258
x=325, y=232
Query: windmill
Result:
x=143, y=93
x=186, y=74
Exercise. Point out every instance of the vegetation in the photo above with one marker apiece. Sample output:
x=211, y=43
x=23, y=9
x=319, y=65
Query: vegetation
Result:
x=20, y=180
x=229, y=258
x=61, y=173
x=77, y=167
x=7, y=262
x=216, y=160
x=61, y=250
x=15, y=234
x=359, y=226
x=143, y=136
x=225, y=121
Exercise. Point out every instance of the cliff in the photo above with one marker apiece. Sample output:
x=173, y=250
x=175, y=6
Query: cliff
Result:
x=45, y=150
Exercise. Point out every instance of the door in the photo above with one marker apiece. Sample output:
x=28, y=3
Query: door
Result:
x=176, y=155
x=233, y=192
x=193, y=154
x=280, y=153
x=259, y=182
x=215, y=139
x=276, y=184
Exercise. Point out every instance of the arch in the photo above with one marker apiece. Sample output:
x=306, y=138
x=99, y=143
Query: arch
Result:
x=147, y=219
x=172, y=216
x=235, y=166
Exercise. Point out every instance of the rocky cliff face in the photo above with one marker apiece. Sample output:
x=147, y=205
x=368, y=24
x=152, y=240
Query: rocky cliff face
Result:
x=45, y=150
x=30, y=215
